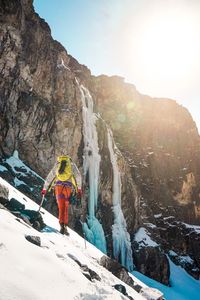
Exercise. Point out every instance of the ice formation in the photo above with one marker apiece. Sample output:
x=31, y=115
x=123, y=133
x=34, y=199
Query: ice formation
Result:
x=121, y=239
x=91, y=161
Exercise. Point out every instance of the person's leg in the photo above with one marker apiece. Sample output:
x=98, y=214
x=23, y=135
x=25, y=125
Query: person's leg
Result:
x=66, y=212
x=67, y=193
x=66, y=217
x=61, y=206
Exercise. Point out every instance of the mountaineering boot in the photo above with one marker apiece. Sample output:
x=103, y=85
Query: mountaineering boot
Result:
x=62, y=228
x=65, y=230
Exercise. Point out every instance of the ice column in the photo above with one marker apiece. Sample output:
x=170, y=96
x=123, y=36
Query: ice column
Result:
x=121, y=239
x=91, y=162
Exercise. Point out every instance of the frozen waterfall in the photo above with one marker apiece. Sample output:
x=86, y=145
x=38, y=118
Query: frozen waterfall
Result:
x=91, y=161
x=121, y=239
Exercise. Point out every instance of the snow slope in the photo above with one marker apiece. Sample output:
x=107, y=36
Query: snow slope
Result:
x=30, y=272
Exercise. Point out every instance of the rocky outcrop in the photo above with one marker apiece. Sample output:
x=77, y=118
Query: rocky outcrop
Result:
x=4, y=192
x=182, y=243
x=160, y=142
x=40, y=112
x=158, y=146
x=117, y=270
x=149, y=256
x=121, y=273
x=86, y=271
x=21, y=176
x=161, y=145
x=40, y=104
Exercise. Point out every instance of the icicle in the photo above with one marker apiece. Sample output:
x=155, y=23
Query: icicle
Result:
x=91, y=163
x=121, y=238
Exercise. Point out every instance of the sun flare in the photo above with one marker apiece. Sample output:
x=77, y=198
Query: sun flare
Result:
x=165, y=47
x=169, y=47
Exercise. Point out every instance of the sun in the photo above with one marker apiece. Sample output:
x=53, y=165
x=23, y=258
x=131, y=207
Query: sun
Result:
x=169, y=47
x=165, y=46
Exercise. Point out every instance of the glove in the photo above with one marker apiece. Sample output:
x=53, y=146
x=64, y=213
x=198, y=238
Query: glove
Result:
x=43, y=192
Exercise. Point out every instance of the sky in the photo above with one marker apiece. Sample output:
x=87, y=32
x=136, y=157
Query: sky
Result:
x=153, y=44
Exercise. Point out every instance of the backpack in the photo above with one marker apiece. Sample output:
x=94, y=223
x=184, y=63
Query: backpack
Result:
x=64, y=170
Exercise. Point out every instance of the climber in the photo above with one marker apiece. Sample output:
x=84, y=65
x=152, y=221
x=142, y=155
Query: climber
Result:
x=65, y=178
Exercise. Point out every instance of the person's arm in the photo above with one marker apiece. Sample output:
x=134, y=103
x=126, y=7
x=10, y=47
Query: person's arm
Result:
x=50, y=177
x=77, y=175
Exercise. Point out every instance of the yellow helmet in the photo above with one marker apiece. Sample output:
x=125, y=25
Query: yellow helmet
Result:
x=63, y=157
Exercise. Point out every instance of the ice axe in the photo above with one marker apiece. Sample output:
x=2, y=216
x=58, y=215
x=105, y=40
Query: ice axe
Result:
x=43, y=195
x=41, y=202
x=84, y=240
x=83, y=233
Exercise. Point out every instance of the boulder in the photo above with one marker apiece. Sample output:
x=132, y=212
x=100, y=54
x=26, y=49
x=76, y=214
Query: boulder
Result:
x=86, y=271
x=34, y=240
x=4, y=193
x=121, y=288
x=116, y=269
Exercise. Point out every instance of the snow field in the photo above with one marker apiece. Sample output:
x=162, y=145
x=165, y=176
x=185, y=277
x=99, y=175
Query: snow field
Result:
x=29, y=272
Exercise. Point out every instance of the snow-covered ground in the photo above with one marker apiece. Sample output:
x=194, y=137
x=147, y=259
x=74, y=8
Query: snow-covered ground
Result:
x=30, y=272
x=143, y=239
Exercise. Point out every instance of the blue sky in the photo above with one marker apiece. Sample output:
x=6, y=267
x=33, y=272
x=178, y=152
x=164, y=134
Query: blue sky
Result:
x=85, y=27
x=153, y=44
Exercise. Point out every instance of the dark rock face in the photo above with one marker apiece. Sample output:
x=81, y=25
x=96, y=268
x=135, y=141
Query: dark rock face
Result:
x=19, y=175
x=41, y=117
x=39, y=108
x=182, y=242
x=149, y=255
x=41, y=114
x=152, y=262
x=161, y=145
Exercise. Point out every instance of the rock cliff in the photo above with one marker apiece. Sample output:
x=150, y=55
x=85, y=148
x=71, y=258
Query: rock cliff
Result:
x=46, y=97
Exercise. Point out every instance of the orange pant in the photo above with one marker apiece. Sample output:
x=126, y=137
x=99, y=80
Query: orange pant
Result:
x=62, y=196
